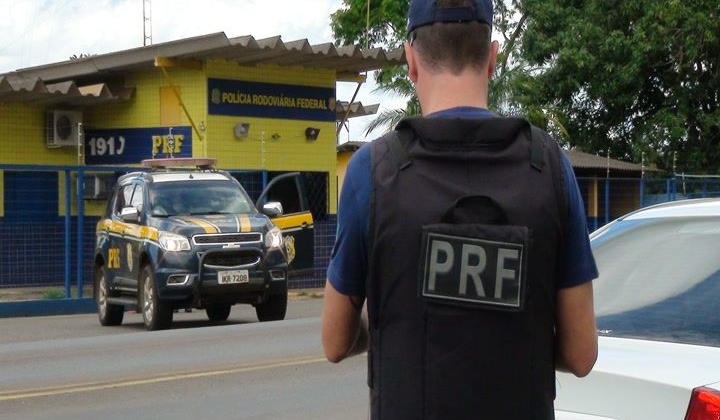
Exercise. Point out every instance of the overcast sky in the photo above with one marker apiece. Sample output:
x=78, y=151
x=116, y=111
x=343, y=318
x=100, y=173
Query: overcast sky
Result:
x=38, y=32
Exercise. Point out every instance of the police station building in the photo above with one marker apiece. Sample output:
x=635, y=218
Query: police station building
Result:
x=261, y=107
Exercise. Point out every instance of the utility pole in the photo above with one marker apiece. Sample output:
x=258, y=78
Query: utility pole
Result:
x=147, y=23
x=367, y=26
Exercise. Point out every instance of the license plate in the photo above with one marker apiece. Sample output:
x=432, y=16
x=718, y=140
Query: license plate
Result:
x=233, y=276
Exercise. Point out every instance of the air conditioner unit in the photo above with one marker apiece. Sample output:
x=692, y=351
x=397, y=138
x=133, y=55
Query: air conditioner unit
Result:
x=64, y=128
x=98, y=186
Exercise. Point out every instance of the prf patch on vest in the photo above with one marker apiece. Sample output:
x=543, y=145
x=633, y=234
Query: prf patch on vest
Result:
x=483, y=272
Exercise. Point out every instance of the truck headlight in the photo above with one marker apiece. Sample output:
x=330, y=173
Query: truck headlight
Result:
x=274, y=239
x=173, y=242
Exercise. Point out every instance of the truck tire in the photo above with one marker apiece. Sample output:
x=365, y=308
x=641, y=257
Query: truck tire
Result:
x=108, y=314
x=273, y=309
x=218, y=312
x=157, y=314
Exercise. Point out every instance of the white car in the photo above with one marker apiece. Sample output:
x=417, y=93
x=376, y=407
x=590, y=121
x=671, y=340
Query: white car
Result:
x=657, y=302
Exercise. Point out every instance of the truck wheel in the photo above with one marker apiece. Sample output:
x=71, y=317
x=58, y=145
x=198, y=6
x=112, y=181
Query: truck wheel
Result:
x=157, y=314
x=273, y=309
x=108, y=314
x=218, y=312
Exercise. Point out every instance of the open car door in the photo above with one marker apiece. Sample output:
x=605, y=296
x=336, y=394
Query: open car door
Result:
x=296, y=222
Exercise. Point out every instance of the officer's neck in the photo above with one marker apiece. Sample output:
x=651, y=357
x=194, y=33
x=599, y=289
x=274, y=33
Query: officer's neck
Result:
x=441, y=91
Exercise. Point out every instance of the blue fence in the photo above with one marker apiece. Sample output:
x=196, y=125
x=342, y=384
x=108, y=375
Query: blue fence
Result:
x=47, y=238
x=39, y=247
x=608, y=198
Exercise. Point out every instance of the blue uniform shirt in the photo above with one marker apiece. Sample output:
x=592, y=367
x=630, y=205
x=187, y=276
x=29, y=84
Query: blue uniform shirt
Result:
x=349, y=259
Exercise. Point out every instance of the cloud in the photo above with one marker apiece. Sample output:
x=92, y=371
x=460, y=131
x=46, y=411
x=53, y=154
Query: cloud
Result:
x=42, y=32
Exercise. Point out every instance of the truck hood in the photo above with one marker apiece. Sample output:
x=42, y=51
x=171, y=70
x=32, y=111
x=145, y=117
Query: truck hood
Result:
x=188, y=225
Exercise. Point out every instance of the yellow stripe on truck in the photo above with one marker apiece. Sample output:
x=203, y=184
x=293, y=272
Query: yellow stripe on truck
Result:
x=293, y=220
x=129, y=229
x=245, y=225
x=204, y=224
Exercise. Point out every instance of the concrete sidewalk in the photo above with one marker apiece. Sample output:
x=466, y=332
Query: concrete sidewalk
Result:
x=42, y=292
x=43, y=301
x=49, y=300
x=58, y=292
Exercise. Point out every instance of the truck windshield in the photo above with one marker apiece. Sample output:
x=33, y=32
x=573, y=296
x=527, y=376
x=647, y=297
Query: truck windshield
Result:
x=198, y=197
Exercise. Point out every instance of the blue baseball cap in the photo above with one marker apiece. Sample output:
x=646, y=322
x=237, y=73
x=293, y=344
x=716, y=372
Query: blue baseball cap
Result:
x=426, y=12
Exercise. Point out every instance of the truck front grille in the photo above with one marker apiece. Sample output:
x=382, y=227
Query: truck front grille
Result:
x=229, y=259
x=228, y=238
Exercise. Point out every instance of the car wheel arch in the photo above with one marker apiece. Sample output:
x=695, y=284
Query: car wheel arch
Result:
x=99, y=264
x=143, y=261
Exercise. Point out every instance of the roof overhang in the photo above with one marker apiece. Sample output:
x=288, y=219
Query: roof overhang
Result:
x=346, y=61
x=584, y=163
x=588, y=164
x=60, y=94
x=350, y=146
x=88, y=80
x=345, y=110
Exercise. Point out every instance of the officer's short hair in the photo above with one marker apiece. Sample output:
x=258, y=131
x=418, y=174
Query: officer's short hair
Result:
x=452, y=46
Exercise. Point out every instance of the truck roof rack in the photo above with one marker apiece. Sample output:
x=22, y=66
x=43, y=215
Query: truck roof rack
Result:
x=166, y=163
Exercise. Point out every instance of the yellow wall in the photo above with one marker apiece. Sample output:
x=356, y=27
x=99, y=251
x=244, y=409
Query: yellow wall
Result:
x=23, y=142
x=171, y=113
x=289, y=151
x=22, y=137
x=342, y=162
x=592, y=198
x=144, y=109
x=625, y=198
x=91, y=207
x=272, y=144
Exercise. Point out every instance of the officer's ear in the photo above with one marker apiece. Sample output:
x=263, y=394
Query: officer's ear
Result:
x=411, y=62
x=492, y=58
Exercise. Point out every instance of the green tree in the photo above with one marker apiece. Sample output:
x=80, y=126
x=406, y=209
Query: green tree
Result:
x=513, y=84
x=370, y=23
x=378, y=23
x=630, y=77
x=381, y=23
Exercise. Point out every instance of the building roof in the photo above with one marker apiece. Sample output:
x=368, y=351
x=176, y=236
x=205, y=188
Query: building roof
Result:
x=89, y=80
x=245, y=50
x=585, y=163
x=355, y=109
x=350, y=146
x=593, y=163
x=68, y=92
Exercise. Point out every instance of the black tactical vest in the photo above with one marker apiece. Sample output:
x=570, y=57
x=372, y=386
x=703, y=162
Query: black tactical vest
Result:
x=465, y=233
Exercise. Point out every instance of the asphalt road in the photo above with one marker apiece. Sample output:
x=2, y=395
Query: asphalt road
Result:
x=15, y=330
x=69, y=367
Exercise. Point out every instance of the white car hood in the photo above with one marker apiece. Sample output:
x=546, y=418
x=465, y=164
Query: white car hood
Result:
x=638, y=380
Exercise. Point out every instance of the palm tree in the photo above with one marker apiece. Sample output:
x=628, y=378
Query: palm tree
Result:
x=394, y=81
x=511, y=88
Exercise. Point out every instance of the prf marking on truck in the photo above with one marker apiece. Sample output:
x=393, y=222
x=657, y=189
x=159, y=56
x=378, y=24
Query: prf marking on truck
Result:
x=113, y=258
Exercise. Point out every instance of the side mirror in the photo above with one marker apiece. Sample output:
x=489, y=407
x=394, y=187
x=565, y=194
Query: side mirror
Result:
x=129, y=214
x=272, y=209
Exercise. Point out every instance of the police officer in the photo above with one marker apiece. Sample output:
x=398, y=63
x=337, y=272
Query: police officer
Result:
x=466, y=233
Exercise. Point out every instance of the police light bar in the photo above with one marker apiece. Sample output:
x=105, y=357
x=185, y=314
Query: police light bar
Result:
x=179, y=162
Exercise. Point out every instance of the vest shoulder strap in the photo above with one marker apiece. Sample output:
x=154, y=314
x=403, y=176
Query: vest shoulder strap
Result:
x=539, y=141
x=397, y=141
x=537, y=147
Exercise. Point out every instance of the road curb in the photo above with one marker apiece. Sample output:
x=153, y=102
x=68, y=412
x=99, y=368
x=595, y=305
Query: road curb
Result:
x=70, y=306
x=45, y=307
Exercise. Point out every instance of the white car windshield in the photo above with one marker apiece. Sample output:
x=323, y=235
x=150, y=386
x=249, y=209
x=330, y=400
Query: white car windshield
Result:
x=659, y=279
